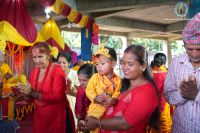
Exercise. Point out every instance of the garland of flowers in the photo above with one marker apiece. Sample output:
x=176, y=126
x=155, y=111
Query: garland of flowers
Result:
x=59, y=7
x=73, y=15
x=95, y=34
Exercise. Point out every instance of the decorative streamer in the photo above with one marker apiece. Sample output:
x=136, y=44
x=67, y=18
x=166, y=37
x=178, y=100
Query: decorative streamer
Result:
x=86, y=52
x=57, y=7
x=95, y=34
x=10, y=34
x=51, y=33
x=78, y=18
x=83, y=21
x=72, y=16
x=66, y=10
x=86, y=33
x=89, y=23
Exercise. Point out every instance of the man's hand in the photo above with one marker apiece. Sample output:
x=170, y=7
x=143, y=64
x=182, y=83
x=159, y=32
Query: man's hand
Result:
x=188, y=88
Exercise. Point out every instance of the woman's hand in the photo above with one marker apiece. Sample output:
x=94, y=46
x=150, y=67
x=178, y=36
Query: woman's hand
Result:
x=81, y=125
x=91, y=122
x=25, y=88
x=110, y=101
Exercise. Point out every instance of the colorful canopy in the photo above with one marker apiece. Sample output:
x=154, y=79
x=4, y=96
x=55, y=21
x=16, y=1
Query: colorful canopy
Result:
x=9, y=33
x=51, y=33
x=16, y=24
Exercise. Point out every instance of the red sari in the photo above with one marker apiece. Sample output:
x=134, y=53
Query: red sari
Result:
x=159, y=75
x=159, y=78
x=136, y=106
x=50, y=110
x=82, y=103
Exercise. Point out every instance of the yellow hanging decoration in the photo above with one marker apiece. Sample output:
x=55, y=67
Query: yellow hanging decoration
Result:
x=86, y=33
x=73, y=15
x=11, y=108
x=3, y=46
x=54, y=51
x=57, y=7
x=10, y=34
x=51, y=31
x=83, y=21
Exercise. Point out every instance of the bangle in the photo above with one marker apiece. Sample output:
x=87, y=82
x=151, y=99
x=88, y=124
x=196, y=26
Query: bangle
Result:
x=100, y=124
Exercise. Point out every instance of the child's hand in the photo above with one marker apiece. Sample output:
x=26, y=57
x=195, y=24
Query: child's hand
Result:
x=100, y=99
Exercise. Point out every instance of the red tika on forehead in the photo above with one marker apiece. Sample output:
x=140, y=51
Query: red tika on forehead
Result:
x=191, y=32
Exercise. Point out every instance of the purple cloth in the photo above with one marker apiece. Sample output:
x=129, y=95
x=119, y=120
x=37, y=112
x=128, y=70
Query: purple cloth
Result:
x=191, y=32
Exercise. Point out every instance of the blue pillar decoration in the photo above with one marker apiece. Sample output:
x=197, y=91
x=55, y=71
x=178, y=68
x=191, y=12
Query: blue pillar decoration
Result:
x=86, y=43
x=194, y=7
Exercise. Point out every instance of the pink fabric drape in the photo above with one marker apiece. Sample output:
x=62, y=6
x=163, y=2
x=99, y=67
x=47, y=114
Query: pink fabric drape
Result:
x=14, y=12
x=47, y=2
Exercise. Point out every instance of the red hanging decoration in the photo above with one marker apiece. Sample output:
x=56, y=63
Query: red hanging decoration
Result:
x=66, y=10
x=95, y=34
x=18, y=61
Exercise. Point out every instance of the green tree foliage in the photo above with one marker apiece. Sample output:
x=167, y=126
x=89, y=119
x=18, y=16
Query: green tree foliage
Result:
x=72, y=39
x=149, y=44
x=174, y=46
x=111, y=41
x=157, y=45
x=177, y=48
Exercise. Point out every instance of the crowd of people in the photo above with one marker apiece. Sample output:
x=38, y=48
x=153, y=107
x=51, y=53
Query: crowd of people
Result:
x=148, y=99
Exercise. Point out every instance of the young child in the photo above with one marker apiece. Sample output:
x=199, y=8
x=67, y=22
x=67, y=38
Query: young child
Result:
x=103, y=88
x=85, y=72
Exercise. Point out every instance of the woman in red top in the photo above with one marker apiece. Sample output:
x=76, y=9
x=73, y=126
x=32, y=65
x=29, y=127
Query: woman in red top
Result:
x=47, y=87
x=159, y=73
x=138, y=103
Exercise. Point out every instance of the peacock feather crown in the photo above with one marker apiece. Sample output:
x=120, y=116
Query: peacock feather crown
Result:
x=103, y=51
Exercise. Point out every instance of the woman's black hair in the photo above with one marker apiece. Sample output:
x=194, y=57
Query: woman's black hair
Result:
x=159, y=60
x=87, y=69
x=142, y=58
x=66, y=55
